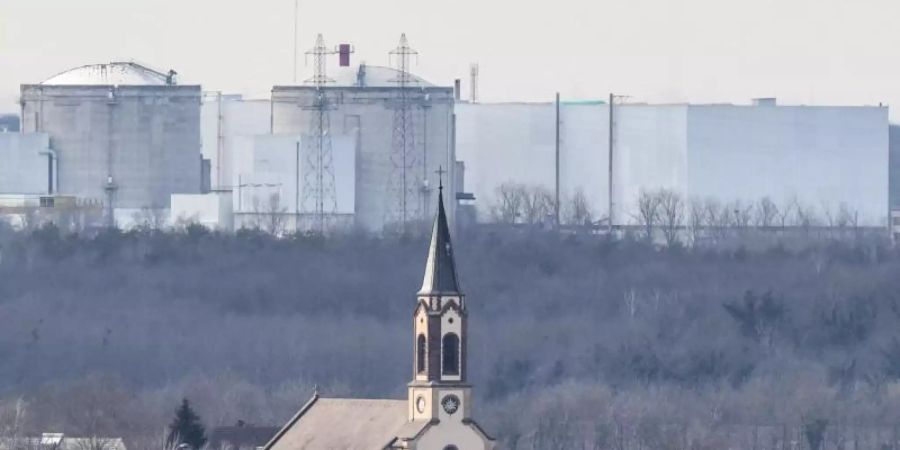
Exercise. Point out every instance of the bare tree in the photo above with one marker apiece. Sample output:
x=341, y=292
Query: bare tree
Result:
x=718, y=218
x=510, y=202
x=671, y=212
x=847, y=217
x=648, y=213
x=150, y=218
x=696, y=219
x=270, y=216
x=805, y=216
x=785, y=214
x=741, y=214
x=97, y=443
x=577, y=211
x=538, y=204
x=766, y=213
x=12, y=421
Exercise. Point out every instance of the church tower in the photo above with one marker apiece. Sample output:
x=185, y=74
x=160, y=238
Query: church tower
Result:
x=439, y=389
x=438, y=413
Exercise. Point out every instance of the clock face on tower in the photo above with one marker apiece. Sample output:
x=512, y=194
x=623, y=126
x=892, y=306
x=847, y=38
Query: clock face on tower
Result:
x=420, y=404
x=450, y=404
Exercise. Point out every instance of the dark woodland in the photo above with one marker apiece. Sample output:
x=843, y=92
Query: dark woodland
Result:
x=579, y=341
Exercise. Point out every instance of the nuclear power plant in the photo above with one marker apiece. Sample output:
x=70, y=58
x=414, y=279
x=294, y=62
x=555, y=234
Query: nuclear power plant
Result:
x=359, y=146
x=120, y=135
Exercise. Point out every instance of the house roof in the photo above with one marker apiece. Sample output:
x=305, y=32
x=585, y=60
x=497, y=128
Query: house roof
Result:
x=343, y=423
x=241, y=436
x=58, y=441
x=440, y=268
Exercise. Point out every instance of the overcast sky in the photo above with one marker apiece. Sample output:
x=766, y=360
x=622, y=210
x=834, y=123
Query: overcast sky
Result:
x=802, y=51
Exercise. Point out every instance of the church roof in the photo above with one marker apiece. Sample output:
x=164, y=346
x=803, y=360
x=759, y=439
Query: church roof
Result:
x=343, y=423
x=440, y=268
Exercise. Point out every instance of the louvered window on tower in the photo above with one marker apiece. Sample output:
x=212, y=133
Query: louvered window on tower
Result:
x=421, y=354
x=451, y=354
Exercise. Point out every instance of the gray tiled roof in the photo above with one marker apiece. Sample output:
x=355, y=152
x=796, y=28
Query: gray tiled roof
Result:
x=343, y=423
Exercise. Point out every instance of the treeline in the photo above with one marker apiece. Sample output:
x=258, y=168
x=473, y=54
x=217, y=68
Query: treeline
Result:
x=666, y=216
x=578, y=340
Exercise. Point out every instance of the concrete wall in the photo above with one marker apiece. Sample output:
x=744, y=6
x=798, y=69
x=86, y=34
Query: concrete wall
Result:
x=367, y=114
x=894, y=176
x=820, y=156
x=825, y=158
x=23, y=163
x=146, y=138
x=269, y=164
x=225, y=119
x=505, y=143
x=212, y=210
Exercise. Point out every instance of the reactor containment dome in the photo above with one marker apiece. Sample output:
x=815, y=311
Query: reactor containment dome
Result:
x=112, y=74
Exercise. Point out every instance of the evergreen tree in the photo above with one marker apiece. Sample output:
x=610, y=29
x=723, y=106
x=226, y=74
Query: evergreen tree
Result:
x=186, y=428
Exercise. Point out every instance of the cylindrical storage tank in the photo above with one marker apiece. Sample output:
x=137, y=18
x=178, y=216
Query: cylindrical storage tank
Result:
x=125, y=135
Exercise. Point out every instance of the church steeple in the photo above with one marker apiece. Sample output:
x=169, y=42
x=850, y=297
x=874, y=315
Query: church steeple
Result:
x=440, y=341
x=440, y=268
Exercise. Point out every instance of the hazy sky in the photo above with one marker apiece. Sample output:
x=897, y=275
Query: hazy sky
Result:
x=802, y=51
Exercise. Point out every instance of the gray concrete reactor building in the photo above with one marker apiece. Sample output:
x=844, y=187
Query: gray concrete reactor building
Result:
x=120, y=134
x=367, y=102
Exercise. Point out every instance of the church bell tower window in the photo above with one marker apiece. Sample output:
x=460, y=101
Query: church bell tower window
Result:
x=421, y=353
x=451, y=354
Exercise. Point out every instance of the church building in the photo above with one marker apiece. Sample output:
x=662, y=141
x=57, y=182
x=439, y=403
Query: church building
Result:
x=437, y=415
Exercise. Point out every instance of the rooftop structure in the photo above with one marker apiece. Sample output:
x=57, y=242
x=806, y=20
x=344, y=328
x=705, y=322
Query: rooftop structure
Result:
x=365, y=75
x=112, y=74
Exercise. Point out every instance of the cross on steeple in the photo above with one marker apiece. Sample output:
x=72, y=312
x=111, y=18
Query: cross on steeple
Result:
x=440, y=173
x=440, y=268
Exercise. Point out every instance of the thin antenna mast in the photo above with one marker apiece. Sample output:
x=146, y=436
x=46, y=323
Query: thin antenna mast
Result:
x=296, y=43
x=473, y=72
x=610, y=205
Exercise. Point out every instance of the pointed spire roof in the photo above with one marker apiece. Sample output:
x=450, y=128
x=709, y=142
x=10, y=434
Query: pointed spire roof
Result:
x=440, y=269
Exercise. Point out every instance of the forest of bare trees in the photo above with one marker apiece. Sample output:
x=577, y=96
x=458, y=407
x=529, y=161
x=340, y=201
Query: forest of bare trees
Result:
x=579, y=341
x=664, y=216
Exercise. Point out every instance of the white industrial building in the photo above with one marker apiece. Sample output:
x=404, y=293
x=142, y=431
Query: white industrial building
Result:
x=822, y=157
x=120, y=137
x=363, y=103
x=258, y=148
x=27, y=167
x=120, y=134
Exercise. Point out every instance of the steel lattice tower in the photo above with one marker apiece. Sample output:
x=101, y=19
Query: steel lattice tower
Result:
x=319, y=196
x=402, y=204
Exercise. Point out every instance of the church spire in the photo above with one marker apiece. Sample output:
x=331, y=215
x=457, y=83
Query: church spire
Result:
x=440, y=269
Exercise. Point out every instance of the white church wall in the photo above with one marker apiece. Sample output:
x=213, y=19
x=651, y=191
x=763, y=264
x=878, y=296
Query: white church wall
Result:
x=452, y=432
